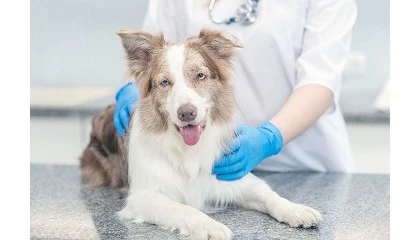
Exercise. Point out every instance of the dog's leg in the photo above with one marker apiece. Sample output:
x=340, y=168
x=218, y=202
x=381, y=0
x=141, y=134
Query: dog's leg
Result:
x=153, y=207
x=259, y=196
x=255, y=194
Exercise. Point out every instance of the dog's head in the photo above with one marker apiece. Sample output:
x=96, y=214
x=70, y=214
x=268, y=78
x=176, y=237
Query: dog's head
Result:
x=184, y=86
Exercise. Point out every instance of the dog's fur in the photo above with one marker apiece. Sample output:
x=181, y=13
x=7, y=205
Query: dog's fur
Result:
x=103, y=162
x=170, y=160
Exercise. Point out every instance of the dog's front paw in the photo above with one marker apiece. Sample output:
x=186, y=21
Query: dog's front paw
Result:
x=297, y=215
x=127, y=213
x=209, y=229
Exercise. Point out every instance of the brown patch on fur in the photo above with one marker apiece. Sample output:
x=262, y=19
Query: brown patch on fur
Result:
x=145, y=55
x=103, y=162
x=153, y=117
x=214, y=50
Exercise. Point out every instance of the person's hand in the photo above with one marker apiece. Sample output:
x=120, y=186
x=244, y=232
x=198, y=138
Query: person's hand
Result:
x=126, y=99
x=249, y=148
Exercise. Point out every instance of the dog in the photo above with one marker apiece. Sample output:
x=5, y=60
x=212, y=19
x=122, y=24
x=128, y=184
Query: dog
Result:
x=184, y=121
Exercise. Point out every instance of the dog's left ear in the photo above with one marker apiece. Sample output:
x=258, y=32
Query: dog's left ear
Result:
x=220, y=43
x=139, y=47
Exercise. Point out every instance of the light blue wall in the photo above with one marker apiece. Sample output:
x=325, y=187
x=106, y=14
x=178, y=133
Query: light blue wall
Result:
x=371, y=35
x=73, y=43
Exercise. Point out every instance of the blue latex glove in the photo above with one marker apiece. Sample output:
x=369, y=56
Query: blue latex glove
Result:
x=126, y=99
x=250, y=147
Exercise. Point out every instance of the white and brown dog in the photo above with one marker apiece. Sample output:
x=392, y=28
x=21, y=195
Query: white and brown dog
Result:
x=183, y=122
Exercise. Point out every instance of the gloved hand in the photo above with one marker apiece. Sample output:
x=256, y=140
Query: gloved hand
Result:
x=125, y=98
x=250, y=147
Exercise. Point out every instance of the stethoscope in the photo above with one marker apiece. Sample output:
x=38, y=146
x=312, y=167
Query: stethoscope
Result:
x=245, y=15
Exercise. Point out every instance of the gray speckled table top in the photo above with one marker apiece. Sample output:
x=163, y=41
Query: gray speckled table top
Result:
x=353, y=207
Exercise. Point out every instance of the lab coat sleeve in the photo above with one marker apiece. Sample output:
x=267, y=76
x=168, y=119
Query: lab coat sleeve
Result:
x=326, y=44
x=161, y=17
x=149, y=23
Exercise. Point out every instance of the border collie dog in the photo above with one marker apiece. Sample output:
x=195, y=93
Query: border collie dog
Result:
x=183, y=122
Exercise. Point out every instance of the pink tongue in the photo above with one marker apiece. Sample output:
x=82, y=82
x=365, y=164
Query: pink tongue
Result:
x=190, y=134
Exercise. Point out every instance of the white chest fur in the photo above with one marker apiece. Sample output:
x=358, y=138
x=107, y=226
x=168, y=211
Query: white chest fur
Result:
x=164, y=163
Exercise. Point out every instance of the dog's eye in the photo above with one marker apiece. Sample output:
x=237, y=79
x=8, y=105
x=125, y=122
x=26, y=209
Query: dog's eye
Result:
x=165, y=82
x=201, y=76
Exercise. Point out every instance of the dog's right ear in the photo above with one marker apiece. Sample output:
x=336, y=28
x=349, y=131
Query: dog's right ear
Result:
x=139, y=47
x=219, y=43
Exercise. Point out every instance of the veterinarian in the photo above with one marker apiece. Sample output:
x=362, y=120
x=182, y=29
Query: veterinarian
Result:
x=287, y=78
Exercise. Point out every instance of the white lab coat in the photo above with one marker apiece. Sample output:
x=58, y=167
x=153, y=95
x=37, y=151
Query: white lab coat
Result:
x=293, y=43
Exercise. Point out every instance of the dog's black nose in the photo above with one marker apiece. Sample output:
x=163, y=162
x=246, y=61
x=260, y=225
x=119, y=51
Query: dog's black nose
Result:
x=187, y=113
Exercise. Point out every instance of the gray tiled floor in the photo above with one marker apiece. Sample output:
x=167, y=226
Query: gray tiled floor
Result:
x=60, y=140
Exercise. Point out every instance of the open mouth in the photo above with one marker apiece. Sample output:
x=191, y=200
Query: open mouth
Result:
x=191, y=133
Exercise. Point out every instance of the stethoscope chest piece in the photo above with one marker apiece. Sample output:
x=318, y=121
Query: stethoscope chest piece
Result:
x=247, y=13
